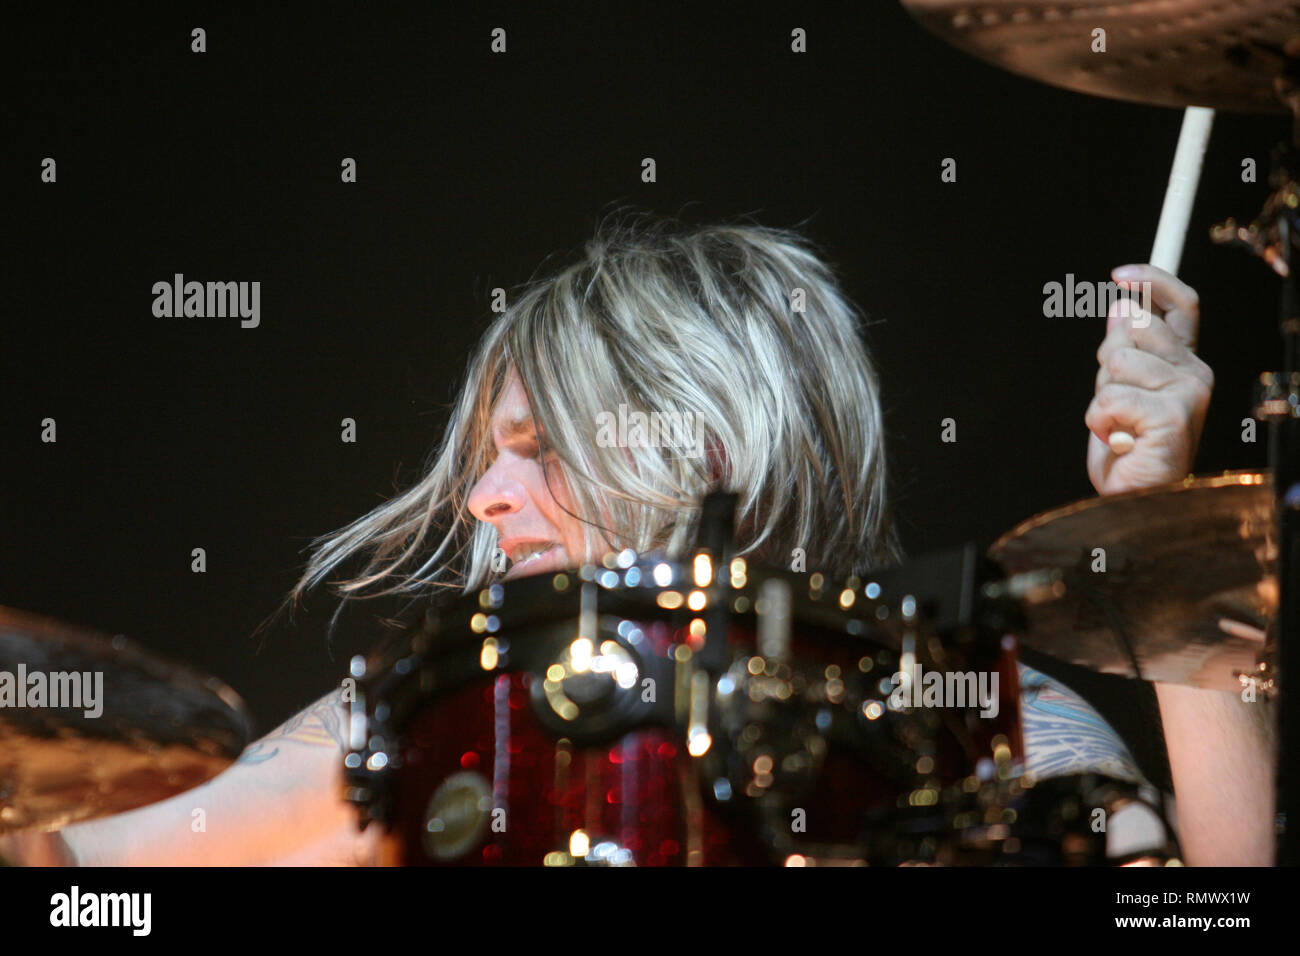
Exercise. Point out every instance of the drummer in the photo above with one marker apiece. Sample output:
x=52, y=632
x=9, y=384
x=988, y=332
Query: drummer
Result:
x=747, y=330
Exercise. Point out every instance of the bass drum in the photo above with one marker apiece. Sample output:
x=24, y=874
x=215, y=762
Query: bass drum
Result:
x=585, y=718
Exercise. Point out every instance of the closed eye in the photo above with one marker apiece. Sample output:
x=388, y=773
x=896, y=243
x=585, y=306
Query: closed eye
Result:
x=526, y=447
x=522, y=437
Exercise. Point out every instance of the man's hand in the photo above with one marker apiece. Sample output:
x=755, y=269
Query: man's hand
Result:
x=1151, y=384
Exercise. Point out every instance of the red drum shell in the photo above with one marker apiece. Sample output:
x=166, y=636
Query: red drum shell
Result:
x=482, y=781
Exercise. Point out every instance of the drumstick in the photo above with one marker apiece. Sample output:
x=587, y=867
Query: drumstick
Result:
x=1167, y=250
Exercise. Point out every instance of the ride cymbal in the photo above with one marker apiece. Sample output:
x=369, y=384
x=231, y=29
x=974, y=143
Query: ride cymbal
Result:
x=91, y=725
x=1223, y=55
x=1189, y=579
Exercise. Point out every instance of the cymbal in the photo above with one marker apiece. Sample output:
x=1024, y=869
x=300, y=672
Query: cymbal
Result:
x=1178, y=53
x=160, y=729
x=1189, y=575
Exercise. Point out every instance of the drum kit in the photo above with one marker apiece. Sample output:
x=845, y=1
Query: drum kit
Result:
x=710, y=711
x=705, y=709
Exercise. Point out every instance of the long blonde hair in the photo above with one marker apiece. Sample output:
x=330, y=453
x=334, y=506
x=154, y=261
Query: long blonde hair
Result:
x=743, y=327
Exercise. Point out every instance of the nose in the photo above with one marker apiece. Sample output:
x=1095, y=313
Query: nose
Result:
x=496, y=494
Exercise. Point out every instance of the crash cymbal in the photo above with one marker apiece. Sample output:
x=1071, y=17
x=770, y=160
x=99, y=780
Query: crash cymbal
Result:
x=1211, y=53
x=1188, y=576
x=92, y=725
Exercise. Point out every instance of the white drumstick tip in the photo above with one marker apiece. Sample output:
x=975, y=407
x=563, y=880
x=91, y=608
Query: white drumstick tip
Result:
x=1121, y=443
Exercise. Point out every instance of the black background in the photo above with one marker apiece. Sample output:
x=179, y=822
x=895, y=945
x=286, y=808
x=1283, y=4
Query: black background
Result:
x=474, y=168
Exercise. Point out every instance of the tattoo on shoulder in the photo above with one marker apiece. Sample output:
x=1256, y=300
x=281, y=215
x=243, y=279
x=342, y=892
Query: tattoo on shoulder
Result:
x=317, y=726
x=1065, y=735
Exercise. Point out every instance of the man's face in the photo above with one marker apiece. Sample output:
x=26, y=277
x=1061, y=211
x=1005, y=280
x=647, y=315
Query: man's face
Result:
x=533, y=527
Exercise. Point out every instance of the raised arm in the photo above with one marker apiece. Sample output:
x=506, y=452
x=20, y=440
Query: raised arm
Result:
x=1152, y=385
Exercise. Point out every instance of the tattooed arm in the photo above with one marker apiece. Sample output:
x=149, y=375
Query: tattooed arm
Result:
x=1064, y=735
x=279, y=803
x=1220, y=755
